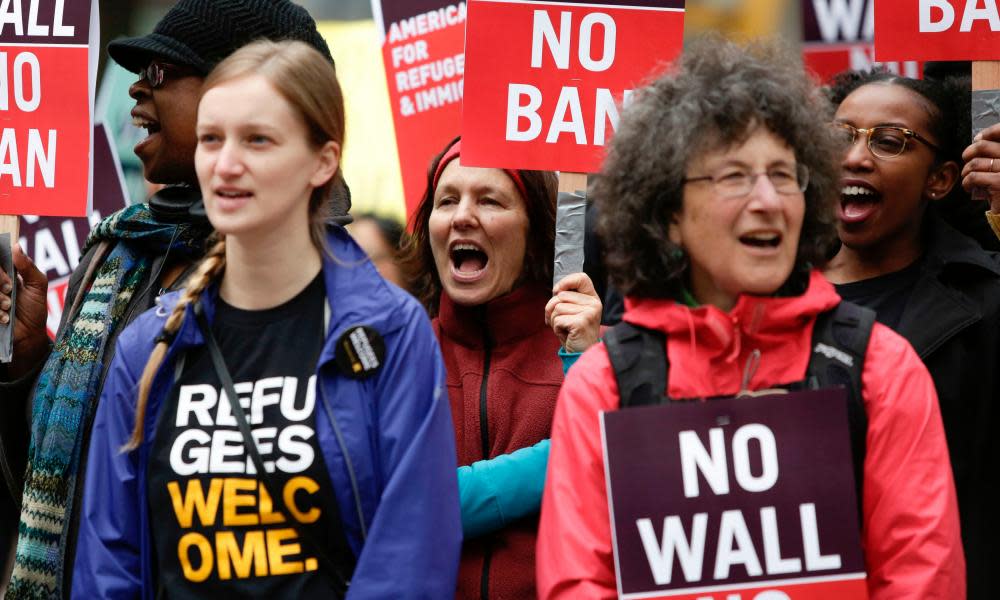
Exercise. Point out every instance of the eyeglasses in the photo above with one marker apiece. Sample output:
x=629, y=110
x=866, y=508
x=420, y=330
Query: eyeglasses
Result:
x=735, y=183
x=883, y=141
x=156, y=72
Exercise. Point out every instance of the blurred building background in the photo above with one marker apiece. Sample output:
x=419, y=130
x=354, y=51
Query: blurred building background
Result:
x=370, y=161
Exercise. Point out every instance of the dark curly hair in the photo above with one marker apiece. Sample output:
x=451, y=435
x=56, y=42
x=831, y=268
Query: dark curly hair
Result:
x=418, y=261
x=716, y=97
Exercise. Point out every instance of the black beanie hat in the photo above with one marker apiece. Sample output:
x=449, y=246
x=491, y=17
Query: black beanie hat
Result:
x=200, y=33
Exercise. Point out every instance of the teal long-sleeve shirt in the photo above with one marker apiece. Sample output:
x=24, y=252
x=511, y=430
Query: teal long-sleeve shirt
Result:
x=501, y=490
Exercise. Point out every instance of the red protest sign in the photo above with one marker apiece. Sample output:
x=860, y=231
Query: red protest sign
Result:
x=423, y=52
x=838, y=36
x=545, y=79
x=46, y=99
x=734, y=496
x=937, y=30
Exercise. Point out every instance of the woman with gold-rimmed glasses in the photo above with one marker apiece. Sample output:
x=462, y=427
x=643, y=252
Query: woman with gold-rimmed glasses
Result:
x=933, y=285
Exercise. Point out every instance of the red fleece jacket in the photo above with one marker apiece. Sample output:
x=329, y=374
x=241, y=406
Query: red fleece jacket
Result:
x=910, y=528
x=506, y=339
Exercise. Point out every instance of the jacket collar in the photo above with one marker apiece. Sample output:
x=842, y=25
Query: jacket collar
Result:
x=753, y=318
x=937, y=311
x=947, y=247
x=356, y=294
x=516, y=315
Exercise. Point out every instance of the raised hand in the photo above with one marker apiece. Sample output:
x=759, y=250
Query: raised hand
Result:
x=574, y=312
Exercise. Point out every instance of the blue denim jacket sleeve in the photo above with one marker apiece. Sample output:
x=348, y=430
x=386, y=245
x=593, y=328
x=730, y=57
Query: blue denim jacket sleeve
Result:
x=501, y=490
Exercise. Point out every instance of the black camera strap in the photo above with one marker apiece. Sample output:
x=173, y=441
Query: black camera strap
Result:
x=328, y=565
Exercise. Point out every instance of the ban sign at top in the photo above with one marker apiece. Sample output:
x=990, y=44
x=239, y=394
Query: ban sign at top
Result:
x=937, y=30
x=544, y=81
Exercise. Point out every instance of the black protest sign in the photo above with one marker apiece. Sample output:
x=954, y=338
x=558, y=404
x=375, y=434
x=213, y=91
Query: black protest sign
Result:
x=747, y=494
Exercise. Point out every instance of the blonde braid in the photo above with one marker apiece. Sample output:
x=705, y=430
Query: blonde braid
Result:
x=208, y=269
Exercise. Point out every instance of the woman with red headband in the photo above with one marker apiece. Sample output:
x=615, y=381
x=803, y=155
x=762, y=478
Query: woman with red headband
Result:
x=482, y=249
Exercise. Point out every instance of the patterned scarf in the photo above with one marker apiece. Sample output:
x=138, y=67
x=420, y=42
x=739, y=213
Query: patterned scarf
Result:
x=65, y=397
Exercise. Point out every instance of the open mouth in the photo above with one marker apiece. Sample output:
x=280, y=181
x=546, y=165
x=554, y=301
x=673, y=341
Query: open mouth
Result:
x=858, y=202
x=232, y=194
x=149, y=125
x=761, y=240
x=468, y=259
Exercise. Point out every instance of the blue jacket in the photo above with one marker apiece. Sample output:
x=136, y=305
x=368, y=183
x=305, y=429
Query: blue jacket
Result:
x=390, y=450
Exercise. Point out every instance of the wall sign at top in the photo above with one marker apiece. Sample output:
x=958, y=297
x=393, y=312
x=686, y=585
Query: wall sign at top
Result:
x=937, y=30
x=545, y=80
x=48, y=63
x=837, y=36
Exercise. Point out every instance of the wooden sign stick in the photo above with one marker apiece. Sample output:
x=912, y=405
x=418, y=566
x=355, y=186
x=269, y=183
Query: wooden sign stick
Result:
x=985, y=75
x=10, y=224
x=572, y=182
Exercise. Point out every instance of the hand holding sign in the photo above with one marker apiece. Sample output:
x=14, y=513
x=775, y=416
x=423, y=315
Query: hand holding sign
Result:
x=47, y=64
x=574, y=312
x=29, y=339
x=982, y=166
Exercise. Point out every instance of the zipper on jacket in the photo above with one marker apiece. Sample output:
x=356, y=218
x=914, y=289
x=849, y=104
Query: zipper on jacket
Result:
x=484, y=434
x=484, y=427
x=347, y=459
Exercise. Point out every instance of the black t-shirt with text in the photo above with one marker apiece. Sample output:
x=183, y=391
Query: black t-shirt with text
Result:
x=217, y=532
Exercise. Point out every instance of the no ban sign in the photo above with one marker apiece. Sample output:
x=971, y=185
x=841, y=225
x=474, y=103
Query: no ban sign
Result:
x=45, y=101
x=549, y=96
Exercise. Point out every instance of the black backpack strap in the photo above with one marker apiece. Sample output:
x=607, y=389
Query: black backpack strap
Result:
x=639, y=359
x=839, y=344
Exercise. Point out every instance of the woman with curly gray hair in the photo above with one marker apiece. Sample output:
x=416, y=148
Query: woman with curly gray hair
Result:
x=716, y=205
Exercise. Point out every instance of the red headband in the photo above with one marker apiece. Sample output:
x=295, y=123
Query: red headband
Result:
x=453, y=152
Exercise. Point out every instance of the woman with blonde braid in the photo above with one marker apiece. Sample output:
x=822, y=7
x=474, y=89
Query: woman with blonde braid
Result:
x=336, y=465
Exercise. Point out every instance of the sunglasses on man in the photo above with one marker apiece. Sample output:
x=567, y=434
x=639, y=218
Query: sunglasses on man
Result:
x=156, y=72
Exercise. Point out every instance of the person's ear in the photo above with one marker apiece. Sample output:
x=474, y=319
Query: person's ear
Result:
x=941, y=179
x=674, y=232
x=327, y=164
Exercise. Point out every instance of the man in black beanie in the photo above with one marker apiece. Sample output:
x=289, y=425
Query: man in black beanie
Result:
x=129, y=260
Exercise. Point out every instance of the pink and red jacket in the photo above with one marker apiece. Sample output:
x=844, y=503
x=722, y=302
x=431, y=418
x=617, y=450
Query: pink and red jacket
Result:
x=910, y=527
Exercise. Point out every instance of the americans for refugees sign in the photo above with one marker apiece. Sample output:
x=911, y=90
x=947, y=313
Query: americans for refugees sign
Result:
x=47, y=66
x=424, y=56
x=545, y=79
x=748, y=498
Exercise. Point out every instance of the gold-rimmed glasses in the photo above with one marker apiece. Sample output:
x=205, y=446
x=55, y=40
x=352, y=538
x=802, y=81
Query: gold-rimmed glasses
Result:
x=884, y=141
